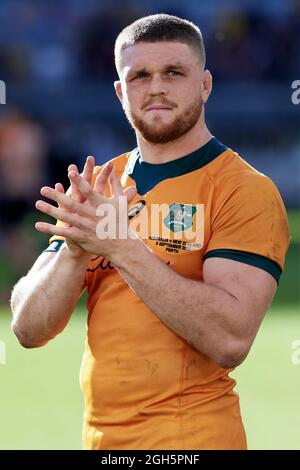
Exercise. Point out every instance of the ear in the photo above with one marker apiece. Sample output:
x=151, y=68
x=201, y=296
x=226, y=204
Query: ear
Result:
x=206, y=85
x=118, y=90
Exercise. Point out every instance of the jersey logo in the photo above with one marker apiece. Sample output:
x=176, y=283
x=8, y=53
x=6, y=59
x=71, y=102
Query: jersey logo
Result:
x=136, y=209
x=102, y=264
x=180, y=217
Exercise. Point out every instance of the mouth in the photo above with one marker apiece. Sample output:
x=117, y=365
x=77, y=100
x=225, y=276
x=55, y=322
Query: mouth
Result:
x=158, y=108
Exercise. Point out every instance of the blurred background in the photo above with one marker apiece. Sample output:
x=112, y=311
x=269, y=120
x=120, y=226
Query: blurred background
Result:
x=56, y=59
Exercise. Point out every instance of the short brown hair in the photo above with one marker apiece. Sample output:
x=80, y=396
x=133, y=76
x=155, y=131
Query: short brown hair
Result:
x=160, y=27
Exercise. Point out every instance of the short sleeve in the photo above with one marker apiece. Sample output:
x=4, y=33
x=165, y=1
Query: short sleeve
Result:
x=249, y=224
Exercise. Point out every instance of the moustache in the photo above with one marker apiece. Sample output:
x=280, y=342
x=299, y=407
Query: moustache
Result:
x=162, y=103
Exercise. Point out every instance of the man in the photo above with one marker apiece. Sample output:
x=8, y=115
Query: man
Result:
x=168, y=316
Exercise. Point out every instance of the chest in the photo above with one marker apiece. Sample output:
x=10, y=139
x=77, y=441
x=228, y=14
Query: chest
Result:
x=174, y=220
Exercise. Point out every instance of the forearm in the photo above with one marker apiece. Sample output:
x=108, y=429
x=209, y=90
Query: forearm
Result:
x=43, y=301
x=207, y=317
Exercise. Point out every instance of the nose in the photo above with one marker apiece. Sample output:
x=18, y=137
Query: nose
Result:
x=157, y=86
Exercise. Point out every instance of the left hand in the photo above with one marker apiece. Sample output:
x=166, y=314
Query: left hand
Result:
x=83, y=218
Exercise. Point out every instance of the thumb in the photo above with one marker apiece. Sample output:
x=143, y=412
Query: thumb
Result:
x=130, y=193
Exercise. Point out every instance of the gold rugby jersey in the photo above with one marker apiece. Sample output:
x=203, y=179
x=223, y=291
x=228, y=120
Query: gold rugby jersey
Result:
x=144, y=386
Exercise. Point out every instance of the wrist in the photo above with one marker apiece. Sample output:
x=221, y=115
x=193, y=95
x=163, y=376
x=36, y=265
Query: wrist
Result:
x=78, y=257
x=131, y=253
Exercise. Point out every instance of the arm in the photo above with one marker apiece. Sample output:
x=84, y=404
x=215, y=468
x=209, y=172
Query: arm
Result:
x=42, y=302
x=219, y=316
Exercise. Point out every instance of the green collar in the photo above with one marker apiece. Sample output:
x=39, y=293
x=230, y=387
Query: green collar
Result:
x=147, y=175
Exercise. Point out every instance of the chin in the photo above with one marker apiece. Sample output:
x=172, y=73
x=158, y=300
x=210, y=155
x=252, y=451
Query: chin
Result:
x=160, y=125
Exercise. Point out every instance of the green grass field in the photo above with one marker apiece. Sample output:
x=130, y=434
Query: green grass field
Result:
x=41, y=404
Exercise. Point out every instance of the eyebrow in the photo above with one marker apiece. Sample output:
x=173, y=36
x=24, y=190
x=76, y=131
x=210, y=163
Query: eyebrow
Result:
x=175, y=66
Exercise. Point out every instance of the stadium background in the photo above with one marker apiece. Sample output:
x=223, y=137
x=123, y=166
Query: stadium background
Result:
x=56, y=58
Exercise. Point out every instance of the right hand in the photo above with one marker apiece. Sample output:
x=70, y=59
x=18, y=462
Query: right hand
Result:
x=87, y=174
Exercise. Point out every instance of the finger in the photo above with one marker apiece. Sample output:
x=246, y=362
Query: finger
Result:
x=59, y=187
x=75, y=193
x=86, y=189
x=88, y=169
x=102, y=178
x=130, y=193
x=67, y=202
x=115, y=185
x=73, y=167
x=63, y=216
x=72, y=233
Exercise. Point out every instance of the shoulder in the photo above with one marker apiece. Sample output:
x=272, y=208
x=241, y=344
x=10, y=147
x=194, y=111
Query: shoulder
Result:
x=119, y=163
x=231, y=175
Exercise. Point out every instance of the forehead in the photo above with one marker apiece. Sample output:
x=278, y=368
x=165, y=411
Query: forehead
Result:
x=156, y=55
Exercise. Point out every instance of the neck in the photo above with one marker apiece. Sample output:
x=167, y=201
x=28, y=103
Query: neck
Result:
x=188, y=143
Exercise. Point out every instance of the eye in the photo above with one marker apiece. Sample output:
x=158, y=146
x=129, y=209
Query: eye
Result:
x=140, y=75
x=172, y=73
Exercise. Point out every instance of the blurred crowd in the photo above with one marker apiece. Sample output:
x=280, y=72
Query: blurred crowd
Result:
x=70, y=39
x=47, y=43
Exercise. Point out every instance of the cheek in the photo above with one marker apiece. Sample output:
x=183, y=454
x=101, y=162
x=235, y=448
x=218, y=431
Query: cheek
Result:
x=135, y=100
x=185, y=92
x=196, y=96
x=138, y=91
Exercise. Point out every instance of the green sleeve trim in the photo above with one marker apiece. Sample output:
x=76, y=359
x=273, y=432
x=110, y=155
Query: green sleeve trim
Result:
x=259, y=261
x=55, y=246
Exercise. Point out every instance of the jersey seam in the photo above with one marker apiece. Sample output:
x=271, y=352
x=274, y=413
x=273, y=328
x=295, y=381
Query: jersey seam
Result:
x=180, y=393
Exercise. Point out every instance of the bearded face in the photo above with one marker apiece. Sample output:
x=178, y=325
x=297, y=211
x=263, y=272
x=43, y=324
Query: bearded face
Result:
x=161, y=89
x=158, y=130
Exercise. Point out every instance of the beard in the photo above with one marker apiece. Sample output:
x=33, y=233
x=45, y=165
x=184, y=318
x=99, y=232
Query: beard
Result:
x=159, y=133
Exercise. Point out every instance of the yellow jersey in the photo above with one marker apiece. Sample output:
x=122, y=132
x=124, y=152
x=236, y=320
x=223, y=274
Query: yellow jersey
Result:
x=144, y=386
